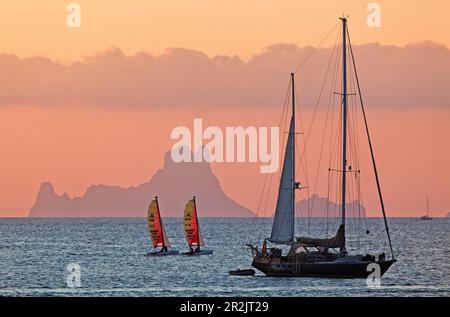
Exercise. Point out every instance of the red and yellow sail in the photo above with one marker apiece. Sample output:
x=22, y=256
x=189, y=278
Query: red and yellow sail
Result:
x=155, y=226
x=191, y=225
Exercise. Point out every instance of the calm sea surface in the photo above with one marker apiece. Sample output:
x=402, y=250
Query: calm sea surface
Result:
x=34, y=254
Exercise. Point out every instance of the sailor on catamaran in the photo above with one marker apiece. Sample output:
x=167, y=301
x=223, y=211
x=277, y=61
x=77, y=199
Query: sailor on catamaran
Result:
x=192, y=230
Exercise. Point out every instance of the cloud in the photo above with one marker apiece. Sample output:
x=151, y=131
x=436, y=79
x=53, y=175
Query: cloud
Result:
x=414, y=75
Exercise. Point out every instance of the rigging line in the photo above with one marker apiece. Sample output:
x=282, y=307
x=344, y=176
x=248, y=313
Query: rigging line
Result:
x=326, y=121
x=335, y=149
x=357, y=147
x=320, y=95
x=358, y=189
x=355, y=120
x=327, y=207
x=362, y=203
x=267, y=176
x=268, y=188
x=371, y=150
x=339, y=152
x=352, y=208
x=353, y=127
x=282, y=124
x=314, y=49
x=331, y=195
x=311, y=203
x=331, y=100
x=338, y=56
x=303, y=161
x=354, y=156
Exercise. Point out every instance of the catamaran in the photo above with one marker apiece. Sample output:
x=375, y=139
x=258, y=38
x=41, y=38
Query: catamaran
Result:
x=427, y=216
x=192, y=231
x=157, y=232
x=318, y=257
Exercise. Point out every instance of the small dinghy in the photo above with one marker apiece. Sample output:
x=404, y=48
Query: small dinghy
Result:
x=246, y=272
x=192, y=231
x=157, y=232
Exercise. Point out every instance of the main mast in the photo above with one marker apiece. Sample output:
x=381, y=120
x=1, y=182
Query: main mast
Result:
x=344, y=117
x=293, y=151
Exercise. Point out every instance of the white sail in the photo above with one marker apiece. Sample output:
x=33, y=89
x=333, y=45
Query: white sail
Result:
x=283, y=224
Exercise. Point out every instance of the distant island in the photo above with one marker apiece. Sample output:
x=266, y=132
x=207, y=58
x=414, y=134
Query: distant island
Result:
x=174, y=185
x=318, y=208
x=448, y=215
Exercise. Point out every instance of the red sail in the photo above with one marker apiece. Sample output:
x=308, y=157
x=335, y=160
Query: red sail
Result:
x=155, y=226
x=191, y=226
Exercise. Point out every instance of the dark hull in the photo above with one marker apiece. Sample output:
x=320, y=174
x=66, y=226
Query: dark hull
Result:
x=163, y=253
x=248, y=272
x=330, y=269
x=197, y=253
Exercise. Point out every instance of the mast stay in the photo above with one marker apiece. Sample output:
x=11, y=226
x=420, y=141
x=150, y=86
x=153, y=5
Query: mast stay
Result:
x=283, y=225
x=371, y=149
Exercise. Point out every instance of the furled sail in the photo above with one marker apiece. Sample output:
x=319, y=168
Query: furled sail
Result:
x=283, y=224
x=338, y=241
x=155, y=226
x=191, y=225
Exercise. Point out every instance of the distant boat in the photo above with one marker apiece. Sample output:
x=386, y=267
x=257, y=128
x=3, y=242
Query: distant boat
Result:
x=316, y=257
x=427, y=216
x=157, y=232
x=192, y=230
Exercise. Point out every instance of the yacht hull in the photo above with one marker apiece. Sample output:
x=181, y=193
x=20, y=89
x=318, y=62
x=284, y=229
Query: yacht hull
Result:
x=330, y=269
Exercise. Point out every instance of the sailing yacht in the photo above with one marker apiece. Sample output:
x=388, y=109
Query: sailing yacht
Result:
x=316, y=257
x=192, y=231
x=157, y=232
x=427, y=216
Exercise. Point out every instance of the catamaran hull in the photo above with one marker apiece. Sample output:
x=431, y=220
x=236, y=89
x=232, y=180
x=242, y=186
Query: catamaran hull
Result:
x=165, y=253
x=201, y=252
x=321, y=269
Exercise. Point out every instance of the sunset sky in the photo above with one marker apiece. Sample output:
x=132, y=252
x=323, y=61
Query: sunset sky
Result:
x=96, y=105
x=216, y=27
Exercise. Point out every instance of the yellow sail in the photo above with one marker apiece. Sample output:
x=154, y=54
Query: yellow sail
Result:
x=191, y=225
x=155, y=226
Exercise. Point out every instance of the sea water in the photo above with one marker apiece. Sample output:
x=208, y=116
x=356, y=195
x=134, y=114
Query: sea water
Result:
x=37, y=257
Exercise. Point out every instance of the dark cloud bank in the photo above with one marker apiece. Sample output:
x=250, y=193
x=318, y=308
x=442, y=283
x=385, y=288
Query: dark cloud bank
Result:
x=414, y=75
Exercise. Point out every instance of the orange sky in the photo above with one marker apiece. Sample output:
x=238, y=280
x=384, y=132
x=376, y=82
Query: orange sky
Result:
x=215, y=27
x=79, y=145
x=75, y=148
